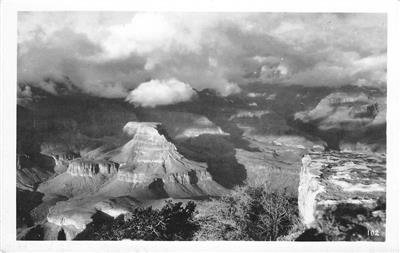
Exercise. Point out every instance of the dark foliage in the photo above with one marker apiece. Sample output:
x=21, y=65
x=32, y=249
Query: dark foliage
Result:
x=26, y=200
x=311, y=234
x=34, y=234
x=61, y=235
x=173, y=222
x=349, y=222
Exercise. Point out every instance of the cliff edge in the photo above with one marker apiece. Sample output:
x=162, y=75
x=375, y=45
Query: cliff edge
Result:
x=344, y=191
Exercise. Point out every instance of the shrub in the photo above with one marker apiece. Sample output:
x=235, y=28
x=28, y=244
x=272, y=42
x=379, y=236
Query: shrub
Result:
x=350, y=222
x=249, y=213
x=173, y=222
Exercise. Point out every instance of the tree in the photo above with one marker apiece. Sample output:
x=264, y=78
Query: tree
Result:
x=249, y=213
x=173, y=222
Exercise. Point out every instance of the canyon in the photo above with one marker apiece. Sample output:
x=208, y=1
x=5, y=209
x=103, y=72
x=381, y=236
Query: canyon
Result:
x=113, y=157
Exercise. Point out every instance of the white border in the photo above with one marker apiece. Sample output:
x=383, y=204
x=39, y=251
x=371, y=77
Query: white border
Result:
x=8, y=51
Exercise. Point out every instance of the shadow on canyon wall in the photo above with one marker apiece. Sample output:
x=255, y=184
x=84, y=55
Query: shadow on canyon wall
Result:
x=219, y=154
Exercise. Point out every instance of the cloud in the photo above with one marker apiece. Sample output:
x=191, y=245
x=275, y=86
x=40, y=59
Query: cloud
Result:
x=367, y=71
x=109, y=53
x=144, y=33
x=73, y=56
x=229, y=89
x=160, y=92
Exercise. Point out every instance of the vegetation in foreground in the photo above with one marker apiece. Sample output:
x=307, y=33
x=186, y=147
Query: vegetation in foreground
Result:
x=255, y=213
x=173, y=222
x=249, y=213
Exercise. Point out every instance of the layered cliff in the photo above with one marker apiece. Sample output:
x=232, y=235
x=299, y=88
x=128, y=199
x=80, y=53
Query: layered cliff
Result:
x=347, y=188
x=147, y=167
x=344, y=111
x=150, y=156
x=348, y=121
x=90, y=168
x=62, y=161
x=33, y=170
x=148, y=160
x=249, y=114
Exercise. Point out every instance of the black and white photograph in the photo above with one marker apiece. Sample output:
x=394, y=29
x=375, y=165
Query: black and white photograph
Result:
x=145, y=125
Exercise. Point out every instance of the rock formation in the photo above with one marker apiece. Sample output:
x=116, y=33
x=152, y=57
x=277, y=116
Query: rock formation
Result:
x=62, y=161
x=93, y=166
x=183, y=125
x=148, y=159
x=33, y=170
x=249, y=114
x=349, y=185
x=344, y=111
x=202, y=126
x=149, y=156
x=347, y=120
x=80, y=167
x=148, y=167
x=277, y=165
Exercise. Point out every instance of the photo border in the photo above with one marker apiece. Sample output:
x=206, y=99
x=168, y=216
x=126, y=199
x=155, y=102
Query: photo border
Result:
x=8, y=57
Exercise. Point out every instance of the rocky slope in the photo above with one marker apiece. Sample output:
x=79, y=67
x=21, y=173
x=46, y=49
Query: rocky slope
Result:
x=31, y=171
x=146, y=167
x=349, y=188
x=150, y=156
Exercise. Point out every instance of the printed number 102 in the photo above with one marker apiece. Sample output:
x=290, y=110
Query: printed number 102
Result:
x=373, y=232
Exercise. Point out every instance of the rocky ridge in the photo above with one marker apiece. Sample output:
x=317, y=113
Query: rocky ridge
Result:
x=148, y=167
x=347, y=121
x=349, y=186
x=80, y=167
x=31, y=171
x=149, y=155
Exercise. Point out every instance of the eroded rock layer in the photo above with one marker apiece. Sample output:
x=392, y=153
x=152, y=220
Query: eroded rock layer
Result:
x=149, y=155
x=345, y=184
x=79, y=167
x=147, y=167
x=32, y=170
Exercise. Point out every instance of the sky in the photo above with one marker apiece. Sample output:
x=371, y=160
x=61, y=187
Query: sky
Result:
x=143, y=56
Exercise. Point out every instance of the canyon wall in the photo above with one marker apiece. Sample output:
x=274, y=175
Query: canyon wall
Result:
x=348, y=188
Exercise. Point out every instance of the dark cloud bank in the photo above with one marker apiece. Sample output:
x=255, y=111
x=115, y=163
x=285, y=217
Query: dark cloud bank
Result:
x=157, y=58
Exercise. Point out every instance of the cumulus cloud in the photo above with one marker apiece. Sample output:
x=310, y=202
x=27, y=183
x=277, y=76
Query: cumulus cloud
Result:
x=160, y=92
x=109, y=53
x=230, y=88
